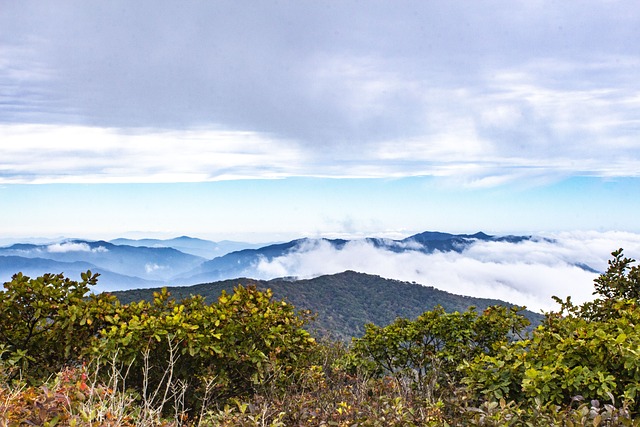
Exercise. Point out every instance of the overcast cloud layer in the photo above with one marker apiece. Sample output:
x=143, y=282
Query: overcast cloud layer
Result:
x=527, y=273
x=155, y=91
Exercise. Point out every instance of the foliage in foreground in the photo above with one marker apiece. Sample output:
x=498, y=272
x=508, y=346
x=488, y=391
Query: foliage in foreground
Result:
x=210, y=351
x=591, y=350
x=424, y=354
x=320, y=398
x=245, y=360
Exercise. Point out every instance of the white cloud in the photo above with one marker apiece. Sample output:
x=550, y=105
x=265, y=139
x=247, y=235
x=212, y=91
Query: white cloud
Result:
x=79, y=154
x=153, y=267
x=74, y=247
x=526, y=273
x=304, y=90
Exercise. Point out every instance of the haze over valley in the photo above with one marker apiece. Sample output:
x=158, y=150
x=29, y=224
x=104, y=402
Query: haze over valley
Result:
x=525, y=270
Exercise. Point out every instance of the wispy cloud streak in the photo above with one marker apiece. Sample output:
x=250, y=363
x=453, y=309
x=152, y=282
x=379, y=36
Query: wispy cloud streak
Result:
x=85, y=155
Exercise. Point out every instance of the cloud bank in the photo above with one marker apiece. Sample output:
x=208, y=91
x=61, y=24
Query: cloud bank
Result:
x=74, y=247
x=485, y=92
x=527, y=273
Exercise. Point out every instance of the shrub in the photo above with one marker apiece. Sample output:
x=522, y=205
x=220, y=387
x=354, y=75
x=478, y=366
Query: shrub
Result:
x=48, y=322
x=233, y=347
x=591, y=350
x=424, y=354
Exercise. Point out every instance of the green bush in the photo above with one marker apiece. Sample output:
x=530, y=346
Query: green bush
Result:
x=48, y=322
x=236, y=346
x=590, y=351
x=424, y=354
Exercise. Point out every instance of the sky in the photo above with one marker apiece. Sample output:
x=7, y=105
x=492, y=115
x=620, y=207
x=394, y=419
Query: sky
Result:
x=268, y=121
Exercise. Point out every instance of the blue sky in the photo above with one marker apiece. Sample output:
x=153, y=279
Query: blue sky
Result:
x=268, y=121
x=268, y=210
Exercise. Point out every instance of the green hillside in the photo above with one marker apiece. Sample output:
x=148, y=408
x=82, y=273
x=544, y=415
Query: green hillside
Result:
x=343, y=302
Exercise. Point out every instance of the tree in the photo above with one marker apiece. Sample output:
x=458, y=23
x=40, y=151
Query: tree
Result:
x=244, y=341
x=589, y=351
x=47, y=322
x=424, y=354
x=621, y=280
x=238, y=344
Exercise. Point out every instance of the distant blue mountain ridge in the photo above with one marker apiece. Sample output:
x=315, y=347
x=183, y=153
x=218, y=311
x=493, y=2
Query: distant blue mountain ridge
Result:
x=242, y=263
x=191, y=245
x=127, y=264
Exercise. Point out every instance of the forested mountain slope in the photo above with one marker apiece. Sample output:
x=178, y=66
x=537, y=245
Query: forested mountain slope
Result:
x=343, y=302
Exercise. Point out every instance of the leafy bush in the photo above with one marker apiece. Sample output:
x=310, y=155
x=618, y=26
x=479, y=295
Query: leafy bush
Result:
x=424, y=354
x=591, y=351
x=48, y=322
x=232, y=347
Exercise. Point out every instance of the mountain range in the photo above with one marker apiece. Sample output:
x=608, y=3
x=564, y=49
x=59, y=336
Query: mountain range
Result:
x=190, y=245
x=342, y=303
x=125, y=263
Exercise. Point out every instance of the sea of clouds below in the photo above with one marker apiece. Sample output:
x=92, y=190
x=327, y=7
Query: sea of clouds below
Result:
x=527, y=273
